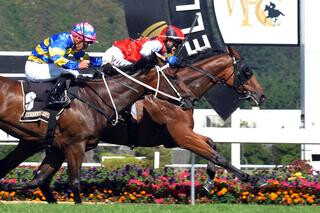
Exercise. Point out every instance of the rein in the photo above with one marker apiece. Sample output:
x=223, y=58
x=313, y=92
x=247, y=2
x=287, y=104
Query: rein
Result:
x=159, y=72
x=146, y=85
x=213, y=78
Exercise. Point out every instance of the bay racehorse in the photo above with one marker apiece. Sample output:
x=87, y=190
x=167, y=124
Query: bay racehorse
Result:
x=172, y=125
x=159, y=122
x=79, y=127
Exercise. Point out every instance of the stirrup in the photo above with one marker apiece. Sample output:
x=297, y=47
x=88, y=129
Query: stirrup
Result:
x=62, y=102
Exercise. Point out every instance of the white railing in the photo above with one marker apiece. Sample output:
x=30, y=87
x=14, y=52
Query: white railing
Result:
x=272, y=126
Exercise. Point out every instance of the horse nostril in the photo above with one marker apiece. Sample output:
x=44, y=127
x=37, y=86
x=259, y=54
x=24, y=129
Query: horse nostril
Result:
x=262, y=99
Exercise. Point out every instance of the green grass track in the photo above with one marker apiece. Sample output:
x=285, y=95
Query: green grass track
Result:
x=153, y=208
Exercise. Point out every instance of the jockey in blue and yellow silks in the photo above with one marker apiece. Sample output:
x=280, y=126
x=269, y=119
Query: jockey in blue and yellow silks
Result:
x=48, y=61
x=55, y=49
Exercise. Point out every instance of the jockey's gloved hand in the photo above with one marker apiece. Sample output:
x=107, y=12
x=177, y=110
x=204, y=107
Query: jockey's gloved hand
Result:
x=173, y=61
x=109, y=70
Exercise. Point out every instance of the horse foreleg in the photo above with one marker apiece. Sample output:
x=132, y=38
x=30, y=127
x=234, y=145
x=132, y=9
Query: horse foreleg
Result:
x=75, y=155
x=211, y=172
x=211, y=168
x=198, y=145
x=21, y=152
x=243, y=176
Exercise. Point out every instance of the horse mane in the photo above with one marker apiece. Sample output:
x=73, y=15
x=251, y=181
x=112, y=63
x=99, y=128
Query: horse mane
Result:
x=201, y=55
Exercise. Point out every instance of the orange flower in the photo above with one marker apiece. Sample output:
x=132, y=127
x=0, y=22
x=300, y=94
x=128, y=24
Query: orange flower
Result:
x=143, y=192
x=310, y=200
x=100, y=197
x=12, y=194
x=91, y=195
x=71, y=195
x=245, y=193
x=132, y=197
x=110, y=191
x=223, y=191
x=5, y=194
x=244, y=197
x=297, y=200
x=273, y=196
x=71, y=199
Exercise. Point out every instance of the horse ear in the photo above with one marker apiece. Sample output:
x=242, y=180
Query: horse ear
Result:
x=233, y=52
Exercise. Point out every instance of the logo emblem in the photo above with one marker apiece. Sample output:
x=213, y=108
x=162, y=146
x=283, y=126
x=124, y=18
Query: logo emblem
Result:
x=273, y=14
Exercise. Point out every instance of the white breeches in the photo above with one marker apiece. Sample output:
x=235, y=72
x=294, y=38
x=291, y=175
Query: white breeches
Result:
x=114, y=56
x=46, y=72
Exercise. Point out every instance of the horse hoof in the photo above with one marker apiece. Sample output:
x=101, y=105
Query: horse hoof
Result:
x=5, y=186
x=209, y=186
x=259, y=183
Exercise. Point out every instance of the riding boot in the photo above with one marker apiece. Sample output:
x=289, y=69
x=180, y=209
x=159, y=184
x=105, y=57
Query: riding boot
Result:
x=58, y=97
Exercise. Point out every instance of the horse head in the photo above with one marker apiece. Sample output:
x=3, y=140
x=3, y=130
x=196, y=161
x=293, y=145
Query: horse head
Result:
x=245, y=82
x=211, y=67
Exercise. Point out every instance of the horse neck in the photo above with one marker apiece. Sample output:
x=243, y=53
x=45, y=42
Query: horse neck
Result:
x=220, y=67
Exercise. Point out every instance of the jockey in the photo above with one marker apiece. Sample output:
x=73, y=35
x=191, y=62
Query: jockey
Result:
x=128, y=52
x=48, y=61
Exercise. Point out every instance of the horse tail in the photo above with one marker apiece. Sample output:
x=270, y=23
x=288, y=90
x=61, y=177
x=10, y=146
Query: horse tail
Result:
x=282, y=14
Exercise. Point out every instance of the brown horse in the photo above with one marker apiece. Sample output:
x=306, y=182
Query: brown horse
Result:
x=170, y=123
x=159, y=122
x=80, y=126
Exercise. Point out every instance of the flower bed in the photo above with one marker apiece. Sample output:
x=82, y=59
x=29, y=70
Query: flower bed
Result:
x=133, y=184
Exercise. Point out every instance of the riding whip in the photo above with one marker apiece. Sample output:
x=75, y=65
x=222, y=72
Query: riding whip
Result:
x=187, y=38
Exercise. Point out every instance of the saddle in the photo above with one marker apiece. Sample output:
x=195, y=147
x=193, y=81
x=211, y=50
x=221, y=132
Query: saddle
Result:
x=35, y=95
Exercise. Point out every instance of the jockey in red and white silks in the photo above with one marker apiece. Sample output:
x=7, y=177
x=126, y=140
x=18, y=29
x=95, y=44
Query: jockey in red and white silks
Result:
x=127, y=52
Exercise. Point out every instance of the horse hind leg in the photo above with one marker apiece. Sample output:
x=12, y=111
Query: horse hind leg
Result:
x=21, y=152
x=48, y=168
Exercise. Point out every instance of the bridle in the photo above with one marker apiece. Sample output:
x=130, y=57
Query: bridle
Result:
x=239, y=78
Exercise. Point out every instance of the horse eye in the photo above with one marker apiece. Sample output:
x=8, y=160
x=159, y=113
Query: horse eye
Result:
x=247, y=71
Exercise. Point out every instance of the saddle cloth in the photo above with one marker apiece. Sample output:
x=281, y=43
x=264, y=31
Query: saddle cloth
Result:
x=34, y=101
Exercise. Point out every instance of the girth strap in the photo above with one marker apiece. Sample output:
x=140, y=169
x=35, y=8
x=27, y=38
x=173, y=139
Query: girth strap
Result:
x=52, y=123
